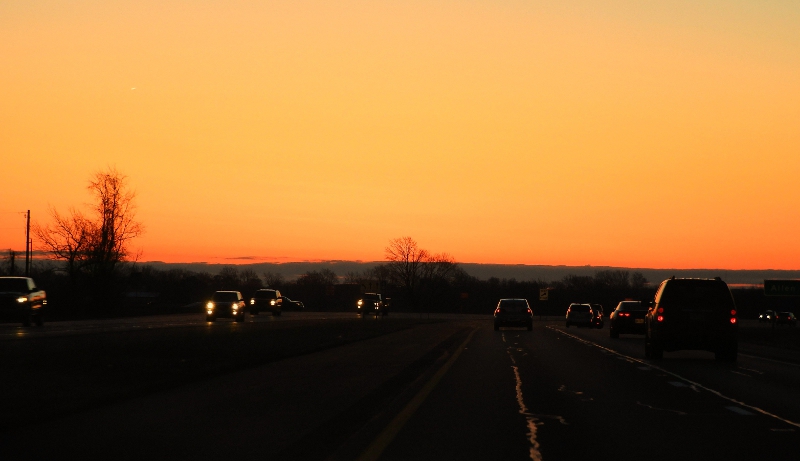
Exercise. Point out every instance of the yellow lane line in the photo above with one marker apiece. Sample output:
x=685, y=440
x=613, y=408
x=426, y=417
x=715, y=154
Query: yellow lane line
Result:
x=374, y=451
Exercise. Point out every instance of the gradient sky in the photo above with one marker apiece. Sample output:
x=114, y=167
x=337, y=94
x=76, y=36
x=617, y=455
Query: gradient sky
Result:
x=662, y=135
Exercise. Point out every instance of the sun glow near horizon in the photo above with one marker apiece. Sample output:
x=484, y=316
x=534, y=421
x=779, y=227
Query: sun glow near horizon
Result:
x=605, y=133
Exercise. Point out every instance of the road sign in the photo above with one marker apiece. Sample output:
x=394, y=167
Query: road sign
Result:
x=782, y=287
x=543, y=293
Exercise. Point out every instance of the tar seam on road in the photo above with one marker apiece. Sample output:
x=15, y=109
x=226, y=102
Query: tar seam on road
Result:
x=374, y=450
x=698, y=385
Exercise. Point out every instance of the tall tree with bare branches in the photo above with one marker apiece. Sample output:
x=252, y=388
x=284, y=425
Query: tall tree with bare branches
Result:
x=95, y=242
x=405, y=264
x=67, y=238
x=115, y=223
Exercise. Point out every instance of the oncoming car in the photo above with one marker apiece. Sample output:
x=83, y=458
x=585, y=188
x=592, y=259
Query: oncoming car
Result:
x=513, y=312
x=371, y=303
x=226, y=304
x=766, y=316
x=292, y=304
x=21, y=300
x=580, y=315
x=266, y=300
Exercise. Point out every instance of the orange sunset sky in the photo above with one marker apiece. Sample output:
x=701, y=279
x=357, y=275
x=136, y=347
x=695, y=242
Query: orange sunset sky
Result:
x=625, y=133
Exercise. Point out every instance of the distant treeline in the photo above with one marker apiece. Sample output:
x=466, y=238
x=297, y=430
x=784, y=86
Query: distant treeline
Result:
x=143, y=289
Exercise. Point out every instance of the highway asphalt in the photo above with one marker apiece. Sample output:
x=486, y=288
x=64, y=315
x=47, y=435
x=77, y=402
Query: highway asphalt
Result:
x=451, y=388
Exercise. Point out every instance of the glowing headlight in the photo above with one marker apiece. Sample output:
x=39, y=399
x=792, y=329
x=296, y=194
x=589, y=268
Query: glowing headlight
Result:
x=272, y=302
x=252, y=301
x=234, y=306
x=22, y=299
x=210, y=306
x=360, y=302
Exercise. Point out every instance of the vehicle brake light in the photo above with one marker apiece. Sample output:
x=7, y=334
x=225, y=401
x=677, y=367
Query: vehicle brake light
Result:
x=733, y=313
x=660, y=310
x=660, y=318
x=733, y=321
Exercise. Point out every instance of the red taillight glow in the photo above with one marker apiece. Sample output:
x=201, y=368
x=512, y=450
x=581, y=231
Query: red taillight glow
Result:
x=660, y=318
x=529, y=311
x=625, y=314
x=733, y=313
x=660, y=310
x=733, y=321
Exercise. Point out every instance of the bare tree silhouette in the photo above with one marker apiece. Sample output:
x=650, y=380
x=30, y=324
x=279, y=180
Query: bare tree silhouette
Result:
x=406, y=259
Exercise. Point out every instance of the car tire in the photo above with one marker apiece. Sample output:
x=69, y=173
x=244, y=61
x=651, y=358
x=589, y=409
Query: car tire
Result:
x=530, y=327
x=612, y=332
x=26, y=321
x=567, y=324
x=37, y=320
x=210, y=318
x=496, y=327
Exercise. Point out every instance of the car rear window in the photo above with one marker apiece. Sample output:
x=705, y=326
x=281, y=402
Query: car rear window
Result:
x=223, y=296
x=513, y=305
x=696, y=294
x=633, y=306
x=580, y=308
x=265, y=294
x=14, y=285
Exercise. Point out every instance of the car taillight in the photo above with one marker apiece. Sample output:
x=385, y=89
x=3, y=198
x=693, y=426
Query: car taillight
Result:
x=625, y=314
x=529, y=311
x=660, y=310
x=733, y=321
x=733, y=312
x=497, y=311
x=660, y=318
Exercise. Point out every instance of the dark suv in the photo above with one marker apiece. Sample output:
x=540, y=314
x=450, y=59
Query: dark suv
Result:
x=692, y=314
x=266, y=300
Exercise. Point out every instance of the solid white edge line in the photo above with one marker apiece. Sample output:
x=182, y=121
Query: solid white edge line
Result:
x=698, y=385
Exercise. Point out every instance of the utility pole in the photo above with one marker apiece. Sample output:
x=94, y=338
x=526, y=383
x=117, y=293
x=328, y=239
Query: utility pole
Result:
x=28, y=246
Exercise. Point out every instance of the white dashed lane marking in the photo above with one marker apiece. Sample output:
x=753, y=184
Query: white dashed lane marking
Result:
x=740, y=411
x=740, y=407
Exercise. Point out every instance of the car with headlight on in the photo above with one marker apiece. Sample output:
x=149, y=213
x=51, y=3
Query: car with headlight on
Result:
x=627, y=318
x=513, y=312
x=229, y=304
x=766, y=316
x=266, y=299
x=580, y=315
x=371, y=303
x=692, y=314
x=21, y=301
